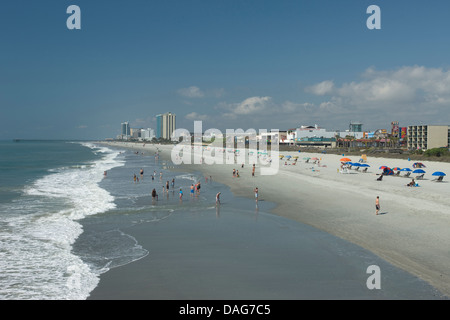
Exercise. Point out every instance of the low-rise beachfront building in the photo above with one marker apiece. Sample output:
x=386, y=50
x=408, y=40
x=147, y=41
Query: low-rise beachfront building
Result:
x=425, y=137
x=147, y=134
x=313, y=136
x=319, y=142
x=135, y=133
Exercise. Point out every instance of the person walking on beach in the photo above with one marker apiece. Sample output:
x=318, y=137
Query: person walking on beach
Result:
x=181, y=194
x=377, y=205
x=256, y=194
x=192, y=190
x=218, y=198
x=154, y=194
x=135, y=178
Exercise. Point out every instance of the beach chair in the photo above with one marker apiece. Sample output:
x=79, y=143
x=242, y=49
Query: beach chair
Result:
x=364, y=170
x=407, y=174
x=380, y=178
x=420, y=177
x=357, y=168
x=397, y=174
x=439, y=179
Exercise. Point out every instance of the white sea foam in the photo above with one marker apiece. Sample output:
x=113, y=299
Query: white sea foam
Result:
x=36, y=239
x=187, y=177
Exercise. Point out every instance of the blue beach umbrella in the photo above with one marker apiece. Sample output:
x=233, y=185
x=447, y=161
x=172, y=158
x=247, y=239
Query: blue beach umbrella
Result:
x=405, y=169
x=364, y=165
x=288, y=157
x=438, y=173
x=418, y=171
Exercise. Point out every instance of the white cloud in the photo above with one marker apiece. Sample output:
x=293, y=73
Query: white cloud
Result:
x=248, y=107
x=414, y=86
x=289, y=106
x=322, y=88
x=191, y=92
x=194, y=116
x=409, y=94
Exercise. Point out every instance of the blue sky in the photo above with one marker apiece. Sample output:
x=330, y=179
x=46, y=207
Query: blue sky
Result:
x=233, y=64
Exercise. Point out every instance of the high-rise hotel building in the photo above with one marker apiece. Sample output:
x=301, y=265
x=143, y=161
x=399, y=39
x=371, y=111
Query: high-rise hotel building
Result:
x=125, y=130
x=165, y=125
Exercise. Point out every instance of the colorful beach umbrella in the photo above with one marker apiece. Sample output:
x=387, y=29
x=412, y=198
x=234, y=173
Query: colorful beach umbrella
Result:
x=384, y=167
x=345, y=160
x=438, y=173
x=419, y=165
x=397, y=168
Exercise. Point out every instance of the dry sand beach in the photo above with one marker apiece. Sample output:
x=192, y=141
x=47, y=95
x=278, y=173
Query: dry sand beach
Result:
x=411, y=232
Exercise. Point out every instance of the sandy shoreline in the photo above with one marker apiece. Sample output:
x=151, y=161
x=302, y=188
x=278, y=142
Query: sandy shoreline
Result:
x=411, y=233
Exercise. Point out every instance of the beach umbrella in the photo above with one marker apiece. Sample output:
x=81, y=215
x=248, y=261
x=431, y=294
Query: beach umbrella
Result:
x=419, y=165
x=306, y=158
x=364, y=165
x=405, y=169
x=418, y=171
x=315, y=158
x=438, y=173
x=288, y=157
x=384, y=167
x=397, y=168
x=345, y=160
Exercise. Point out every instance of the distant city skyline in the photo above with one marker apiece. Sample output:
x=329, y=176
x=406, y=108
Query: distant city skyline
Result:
x=232, y=64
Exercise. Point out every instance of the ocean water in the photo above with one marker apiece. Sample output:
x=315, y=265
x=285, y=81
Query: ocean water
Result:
x=64, y=226
x=47, y=187
x=62, y=219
